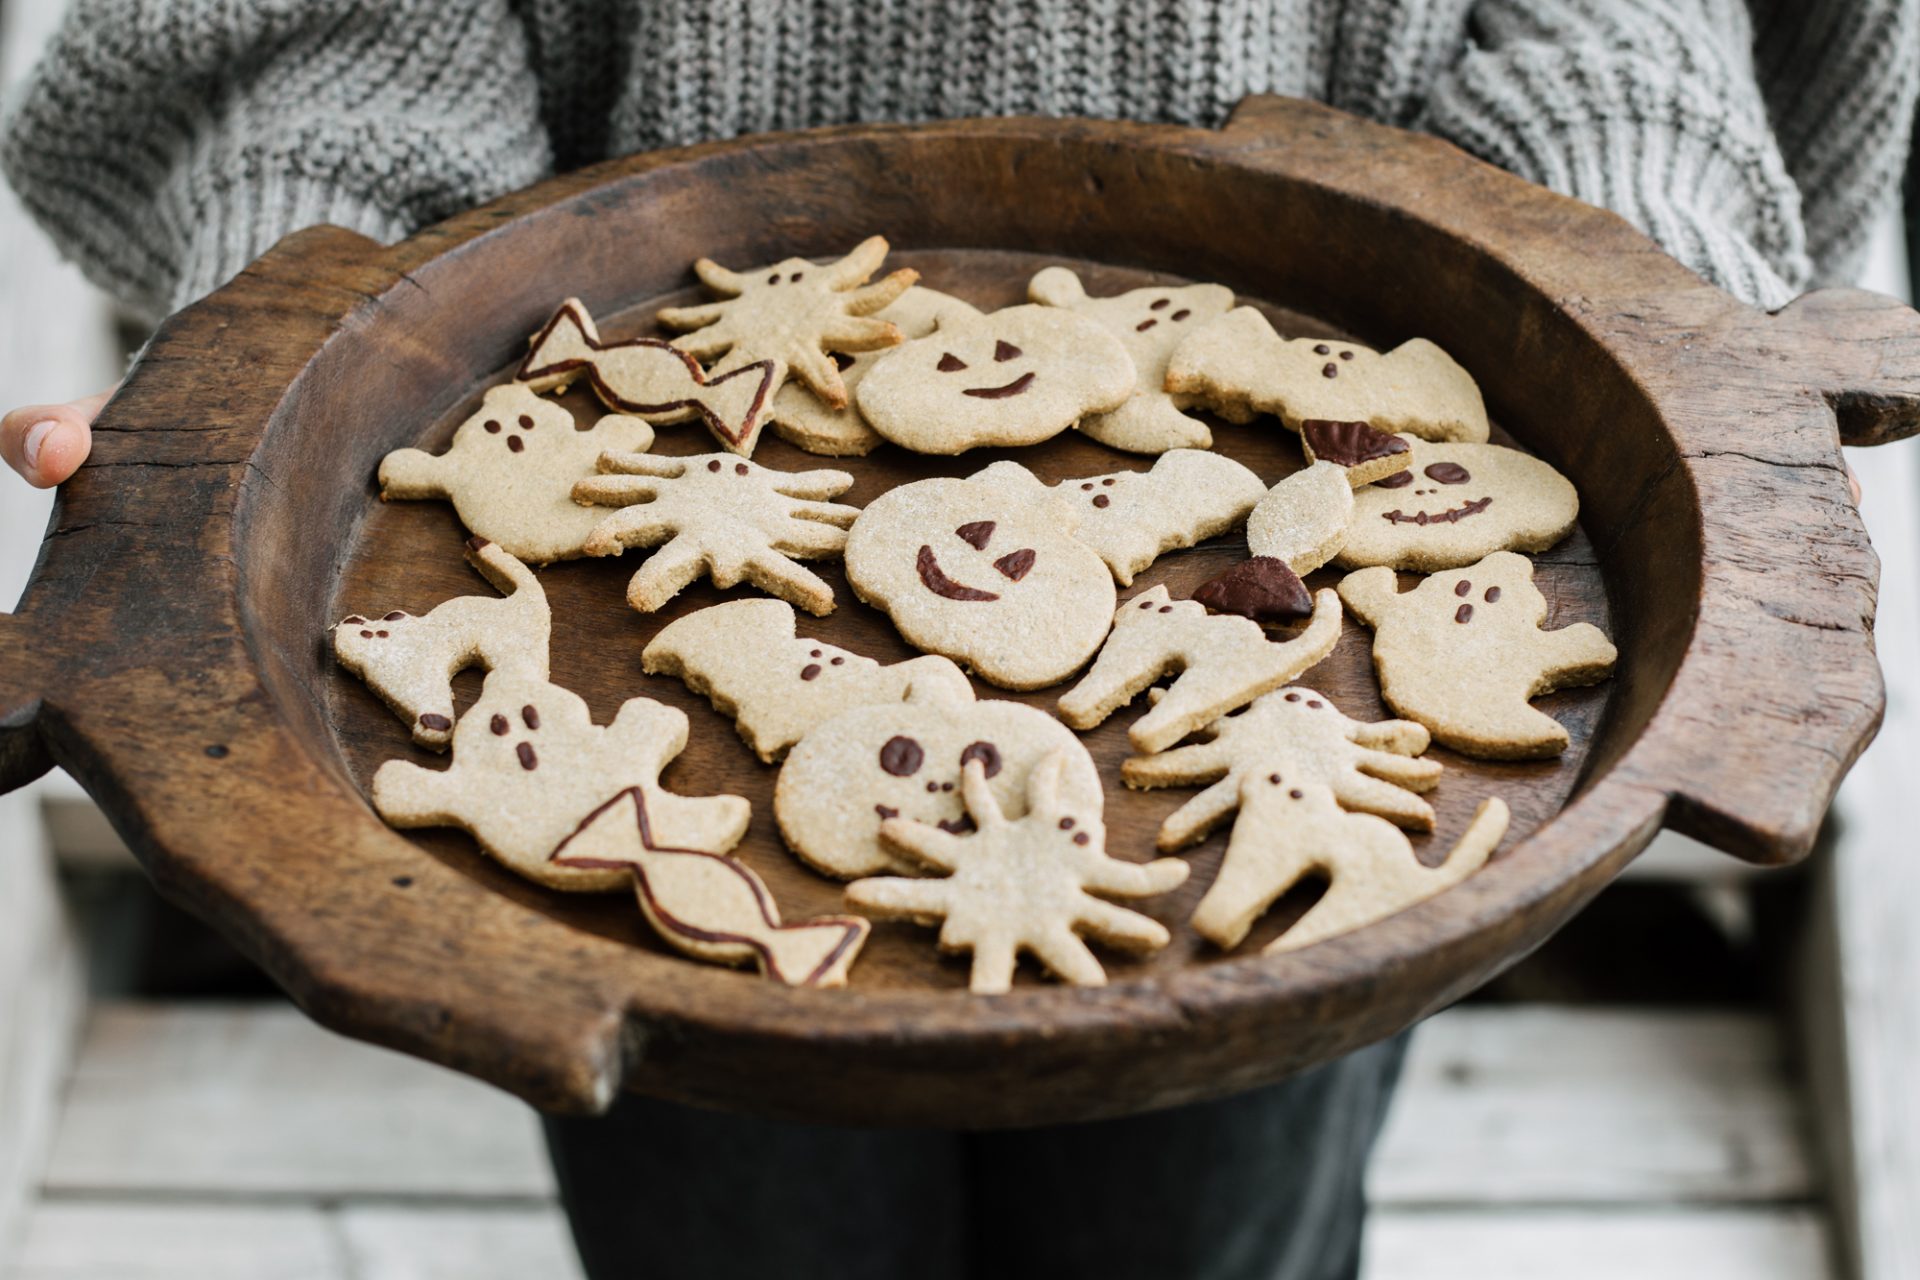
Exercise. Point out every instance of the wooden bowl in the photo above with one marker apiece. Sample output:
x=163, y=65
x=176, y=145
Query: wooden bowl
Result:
x=170, y=651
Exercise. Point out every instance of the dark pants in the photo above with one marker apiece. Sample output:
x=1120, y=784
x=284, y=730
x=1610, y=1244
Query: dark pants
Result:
x=1263, y=1186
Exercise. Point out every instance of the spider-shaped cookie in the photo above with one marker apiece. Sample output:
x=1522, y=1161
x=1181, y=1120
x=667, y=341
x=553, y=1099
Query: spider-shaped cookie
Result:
x=793, y=312
x=1024, y=885
x=718, y=515
x=1374, y=768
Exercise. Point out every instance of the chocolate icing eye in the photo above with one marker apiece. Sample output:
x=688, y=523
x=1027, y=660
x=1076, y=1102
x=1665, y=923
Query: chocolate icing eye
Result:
x=774, y=278
x=901, y=756
x=1016, y=565
x=795, y=277
x=976, y=533
x=499, y=726
x=530, y=716
x=1004, y=350
x=986, y=753
x=950, y=363
x=1448, y=473
x=492, y=425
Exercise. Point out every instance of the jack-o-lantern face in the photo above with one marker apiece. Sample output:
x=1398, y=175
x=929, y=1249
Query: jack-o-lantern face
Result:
x=1013, y=377
x=904, y=761
x=986, y=571
x=1455, y=504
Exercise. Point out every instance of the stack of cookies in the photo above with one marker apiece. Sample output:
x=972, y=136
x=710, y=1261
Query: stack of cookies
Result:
x=982, y=815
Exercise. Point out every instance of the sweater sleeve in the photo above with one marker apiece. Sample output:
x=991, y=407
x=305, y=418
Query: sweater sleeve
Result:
x=1646, y=107
x=164, y=144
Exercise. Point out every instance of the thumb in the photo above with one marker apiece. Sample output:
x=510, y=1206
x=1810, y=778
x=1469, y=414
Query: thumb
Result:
x=46, y=443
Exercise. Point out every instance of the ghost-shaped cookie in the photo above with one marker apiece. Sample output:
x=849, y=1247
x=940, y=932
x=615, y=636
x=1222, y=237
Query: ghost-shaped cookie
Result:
x=530, y=767
x=986, y=571
x=1133, y=517
x=1150, y=323
x=1463, y=654
x=511, y=469
x=904, y=760
x=805, y=421
x=1456, y=503
x=1012, y=377
x=745, y=657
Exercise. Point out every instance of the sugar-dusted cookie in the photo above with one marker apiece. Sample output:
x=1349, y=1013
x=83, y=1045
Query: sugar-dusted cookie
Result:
x=1219, y=663
x=1375, y=768
x=529, y=766
x=1150, y=323
x=1022, y=884
x=650, y=379
x=1456, y=503
x=1290, y=828
x=1012, y=377
x=410, y=662
x=707, y=905
x=1463, y=653
x=793, y=313
x=745, y=657
x=1368, y=455
x=1238, y=364
x=1132, y=517
x=511, y=469
x=987, y=571
x=904, y=760
x=1303, y=520
x=802, y=419
x=722, y=516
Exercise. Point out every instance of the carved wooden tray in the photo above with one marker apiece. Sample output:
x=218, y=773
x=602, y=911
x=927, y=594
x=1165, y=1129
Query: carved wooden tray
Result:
x=170, y=650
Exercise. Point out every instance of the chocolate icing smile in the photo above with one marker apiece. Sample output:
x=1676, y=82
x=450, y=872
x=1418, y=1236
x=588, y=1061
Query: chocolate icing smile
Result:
x=1451, y=516
x=935, y=579
x=1013, y=388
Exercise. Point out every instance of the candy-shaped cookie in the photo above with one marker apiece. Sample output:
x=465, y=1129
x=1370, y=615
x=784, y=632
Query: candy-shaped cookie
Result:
x=1237, y=364
x=650, y=378
x=1290, y=828
x=1133, y=517
x=529, y=766
x=747, y=660
x=802, y=419
x=1374, y=768
x=1456, y=503
x=721, y=516
x=1025, y=884
x=1150, y=323
x=1463, y=654
x=1012, y=377
x=987, y=571
x=1219, y=663
x=511, y=469
x=793, y=313
x=411, y=662
x=904, y=760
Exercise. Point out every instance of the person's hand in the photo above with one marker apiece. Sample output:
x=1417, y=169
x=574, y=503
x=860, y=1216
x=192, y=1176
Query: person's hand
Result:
x=46, y=443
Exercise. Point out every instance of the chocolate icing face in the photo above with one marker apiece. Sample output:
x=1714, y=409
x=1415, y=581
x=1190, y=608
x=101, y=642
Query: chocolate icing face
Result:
x=1455, y=504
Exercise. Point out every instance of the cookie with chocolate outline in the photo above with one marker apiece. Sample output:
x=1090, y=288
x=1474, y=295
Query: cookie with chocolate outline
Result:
x=745, y=657
x=904, y=760
x=511, y=469
x=1463, y=653
x=1150, y=323
x=1374, y=768
x=1239, y=366
x=1030, y=884
x=1290, y=827
x=410, y=662
x=650, y=379
x=529, y=766
x=1218, y=663
x=803, y=420
x=793, y=313
x=1132, y=518
x=1011, y=377
x=720, y=516
x=1456, y=503
x=986, y=571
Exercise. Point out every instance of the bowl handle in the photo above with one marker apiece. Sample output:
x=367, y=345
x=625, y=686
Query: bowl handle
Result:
x=23, y=753
x=1868, y=347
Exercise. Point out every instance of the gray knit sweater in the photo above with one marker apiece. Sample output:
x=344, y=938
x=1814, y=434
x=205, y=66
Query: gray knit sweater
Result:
x=166, y=144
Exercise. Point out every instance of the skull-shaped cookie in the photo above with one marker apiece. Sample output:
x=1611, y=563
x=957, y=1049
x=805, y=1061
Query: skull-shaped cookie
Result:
x=904, y=761
x=1463, y=654
x=1013, y=377
x=986, y=571
x=1456, y=503
x=1150, y=323
x=511, y=470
